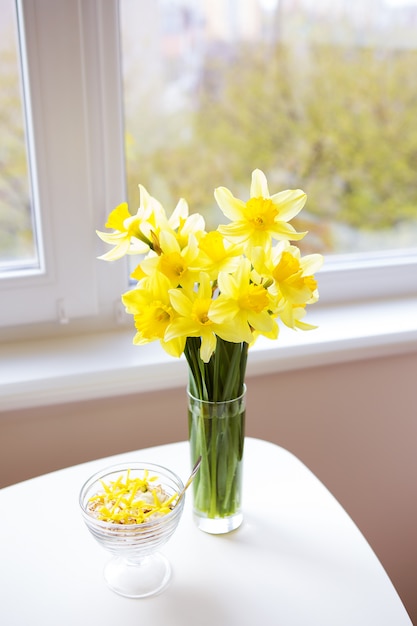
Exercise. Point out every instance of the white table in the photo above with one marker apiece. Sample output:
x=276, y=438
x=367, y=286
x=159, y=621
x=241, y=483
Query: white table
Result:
x=300, y=561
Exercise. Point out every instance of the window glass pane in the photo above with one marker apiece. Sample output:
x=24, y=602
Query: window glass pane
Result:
x=319, y=94
x=18, y=246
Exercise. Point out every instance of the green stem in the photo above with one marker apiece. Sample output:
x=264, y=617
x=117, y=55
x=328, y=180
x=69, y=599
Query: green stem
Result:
x=216, y=424
x=213, y=468
x=222, y=378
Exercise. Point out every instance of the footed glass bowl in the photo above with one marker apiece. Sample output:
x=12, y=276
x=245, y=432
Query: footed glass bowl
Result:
x=137, y=569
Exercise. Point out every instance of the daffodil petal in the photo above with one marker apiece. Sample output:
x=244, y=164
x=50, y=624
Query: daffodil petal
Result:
x=181, y=327
x=289, y=203
x=117, y=252
x=259, y=185
x=169, y=242
x=235, y=331
x=180, y=302
x=174, y=347
x=208, y=346
x=145, y=198
x=180, y=213
x=204, y=288
x=223, y=310
x=260, y=321
x=113, y=238
x=231, y=206
x=282, y=230
x=236, y=231
x=311, y=264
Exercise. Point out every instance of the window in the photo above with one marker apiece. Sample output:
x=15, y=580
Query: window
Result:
x=177, y=67
x=20, y=245
x=320, y=95
x=76, y=163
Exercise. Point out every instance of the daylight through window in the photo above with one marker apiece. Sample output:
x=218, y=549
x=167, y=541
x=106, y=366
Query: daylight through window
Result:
x=19, y=246
x=319, y=94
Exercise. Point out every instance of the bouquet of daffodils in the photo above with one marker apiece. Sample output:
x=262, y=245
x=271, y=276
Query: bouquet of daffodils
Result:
x=209, y=295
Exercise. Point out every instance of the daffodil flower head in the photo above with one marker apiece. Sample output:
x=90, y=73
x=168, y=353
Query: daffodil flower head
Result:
x=126, y=237
x=174, y=262
x=200, y=290
x=133, y=234
x=294, y=274
x=248, y=304
x=182, y=224
x=217, y=254
x=151, y=307
x=287, y=274
x=263, y=217
x=192, y=307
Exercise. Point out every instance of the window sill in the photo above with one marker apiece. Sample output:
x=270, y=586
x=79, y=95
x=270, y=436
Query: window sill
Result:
x=85, y=367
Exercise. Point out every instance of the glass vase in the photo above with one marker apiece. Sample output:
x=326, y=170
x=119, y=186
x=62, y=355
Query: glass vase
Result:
x=216, y=433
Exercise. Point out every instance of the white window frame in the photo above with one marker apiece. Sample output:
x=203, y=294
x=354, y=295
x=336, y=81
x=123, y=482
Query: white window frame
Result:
x=76, y=147
x=73, y=69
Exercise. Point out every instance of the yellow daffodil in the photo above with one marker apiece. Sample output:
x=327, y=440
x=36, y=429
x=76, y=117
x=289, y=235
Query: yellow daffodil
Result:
x=292, y=274
x=151, y=307
x=174, y=262
x=132, y=234
x=193, y=319
x=263, y=217
x=126, y=237
x=209, y=295
x=248, y=304
x=183, y=224
x=217, y=255
x=294, y=283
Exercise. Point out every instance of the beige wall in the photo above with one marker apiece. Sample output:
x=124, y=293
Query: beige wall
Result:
x=353, y=424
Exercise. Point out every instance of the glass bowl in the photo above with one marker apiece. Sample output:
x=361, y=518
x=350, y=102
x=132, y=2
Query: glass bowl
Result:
x=137, y=569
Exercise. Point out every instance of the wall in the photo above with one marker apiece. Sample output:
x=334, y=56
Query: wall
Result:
x=353, y=424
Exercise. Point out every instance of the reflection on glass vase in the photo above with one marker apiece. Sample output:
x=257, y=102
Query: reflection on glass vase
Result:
x=217, y=432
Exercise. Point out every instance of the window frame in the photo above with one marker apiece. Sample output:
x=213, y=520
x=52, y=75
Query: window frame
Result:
x=81, y=178
x=76, y=151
